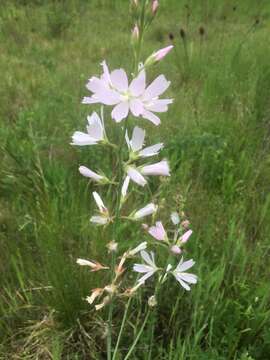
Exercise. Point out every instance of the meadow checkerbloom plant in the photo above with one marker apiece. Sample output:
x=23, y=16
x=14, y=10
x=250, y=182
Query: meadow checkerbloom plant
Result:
x=132, y=167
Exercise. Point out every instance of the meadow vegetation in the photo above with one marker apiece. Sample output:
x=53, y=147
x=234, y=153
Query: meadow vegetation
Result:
x=217, y=140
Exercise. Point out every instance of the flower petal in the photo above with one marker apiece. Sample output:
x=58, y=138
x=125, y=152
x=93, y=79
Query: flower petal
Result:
x=136, y=107
x=151, y=150
x=95, y=128
x=156, y=88
x=159, y=105
x=182, y=266
x=137, y=85
x=151, y=117
x=120, y=111
x=81, y=139
x=89, y=173
x=137, y=139
x=150, y=260
x=160, y=169
x=136, y=176
x=119, y=79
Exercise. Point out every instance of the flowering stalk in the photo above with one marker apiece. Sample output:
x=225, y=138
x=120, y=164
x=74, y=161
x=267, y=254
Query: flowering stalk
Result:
x=134, y=168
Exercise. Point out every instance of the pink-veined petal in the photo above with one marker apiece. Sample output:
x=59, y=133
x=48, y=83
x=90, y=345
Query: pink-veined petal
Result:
x=95, y=128
x=148, y=258
x=142, y=268
x=145, y=277
x=151, y=117
x=137, y=139
x=120, y=111
x=137, y=85
x=81, y=139
x=157, y=231
x=156, y=88
x=136, y=176
x=189, y=278
x=119, y=79
x=159, y=169
x=182, y=266
x=107, y=97
x=183, y=284
x=96, y=85
x=159, y=105
x=89, y=173
x=106, y=73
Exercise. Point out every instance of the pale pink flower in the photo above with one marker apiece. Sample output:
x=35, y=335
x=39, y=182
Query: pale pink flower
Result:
x=161, y=169
x=112, y=88
x=149, y=268
x=90, y=174
x=182, y=277
x=184, y=238
x=135, y=144
x=95, y=132
x=158, y=231
x=145, y=211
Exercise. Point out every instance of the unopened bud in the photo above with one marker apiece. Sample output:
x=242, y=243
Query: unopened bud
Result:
x=158, y=55
x=154, y=7
x=176, y=250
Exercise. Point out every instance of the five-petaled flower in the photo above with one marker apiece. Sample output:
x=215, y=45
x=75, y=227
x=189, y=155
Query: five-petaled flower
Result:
x=183, y=277
x=112, y=88
x=148, y=269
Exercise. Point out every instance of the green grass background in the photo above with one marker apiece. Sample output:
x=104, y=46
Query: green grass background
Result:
x=217, y=140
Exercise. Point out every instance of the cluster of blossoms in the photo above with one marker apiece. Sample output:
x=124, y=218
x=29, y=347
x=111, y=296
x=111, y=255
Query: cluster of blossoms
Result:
x=140, y=100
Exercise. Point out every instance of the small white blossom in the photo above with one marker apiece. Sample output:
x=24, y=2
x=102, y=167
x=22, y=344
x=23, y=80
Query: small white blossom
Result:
x=90, y=174
x=145, y=211
x=148, y=269
x=182, y=277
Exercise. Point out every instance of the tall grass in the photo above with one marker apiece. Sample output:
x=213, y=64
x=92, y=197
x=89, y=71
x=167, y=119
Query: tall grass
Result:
x=217, y=137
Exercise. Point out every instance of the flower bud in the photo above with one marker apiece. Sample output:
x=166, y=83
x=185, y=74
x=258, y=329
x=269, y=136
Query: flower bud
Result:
x=176, y=250
x=154, y=7
x=135, y=33
x=158, y=55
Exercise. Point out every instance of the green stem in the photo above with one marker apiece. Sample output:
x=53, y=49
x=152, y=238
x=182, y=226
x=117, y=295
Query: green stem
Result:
x=115, y=234
x=138, y=336
x=121, y=328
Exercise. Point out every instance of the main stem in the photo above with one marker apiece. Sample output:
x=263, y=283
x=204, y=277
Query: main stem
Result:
x=115, y=234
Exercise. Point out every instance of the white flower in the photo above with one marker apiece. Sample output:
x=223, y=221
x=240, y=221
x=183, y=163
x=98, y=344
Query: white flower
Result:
x=95, y=132
x=138, y=248
x=112, y=88
x=148, y=269
x=90, y=174
x=137, y=141
x=175, y=218
x=125, y=187
x=145, y=211
x=95, y=293
x=158, y=231
x=103, y=218
x=182, y=277
x=160, y=169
